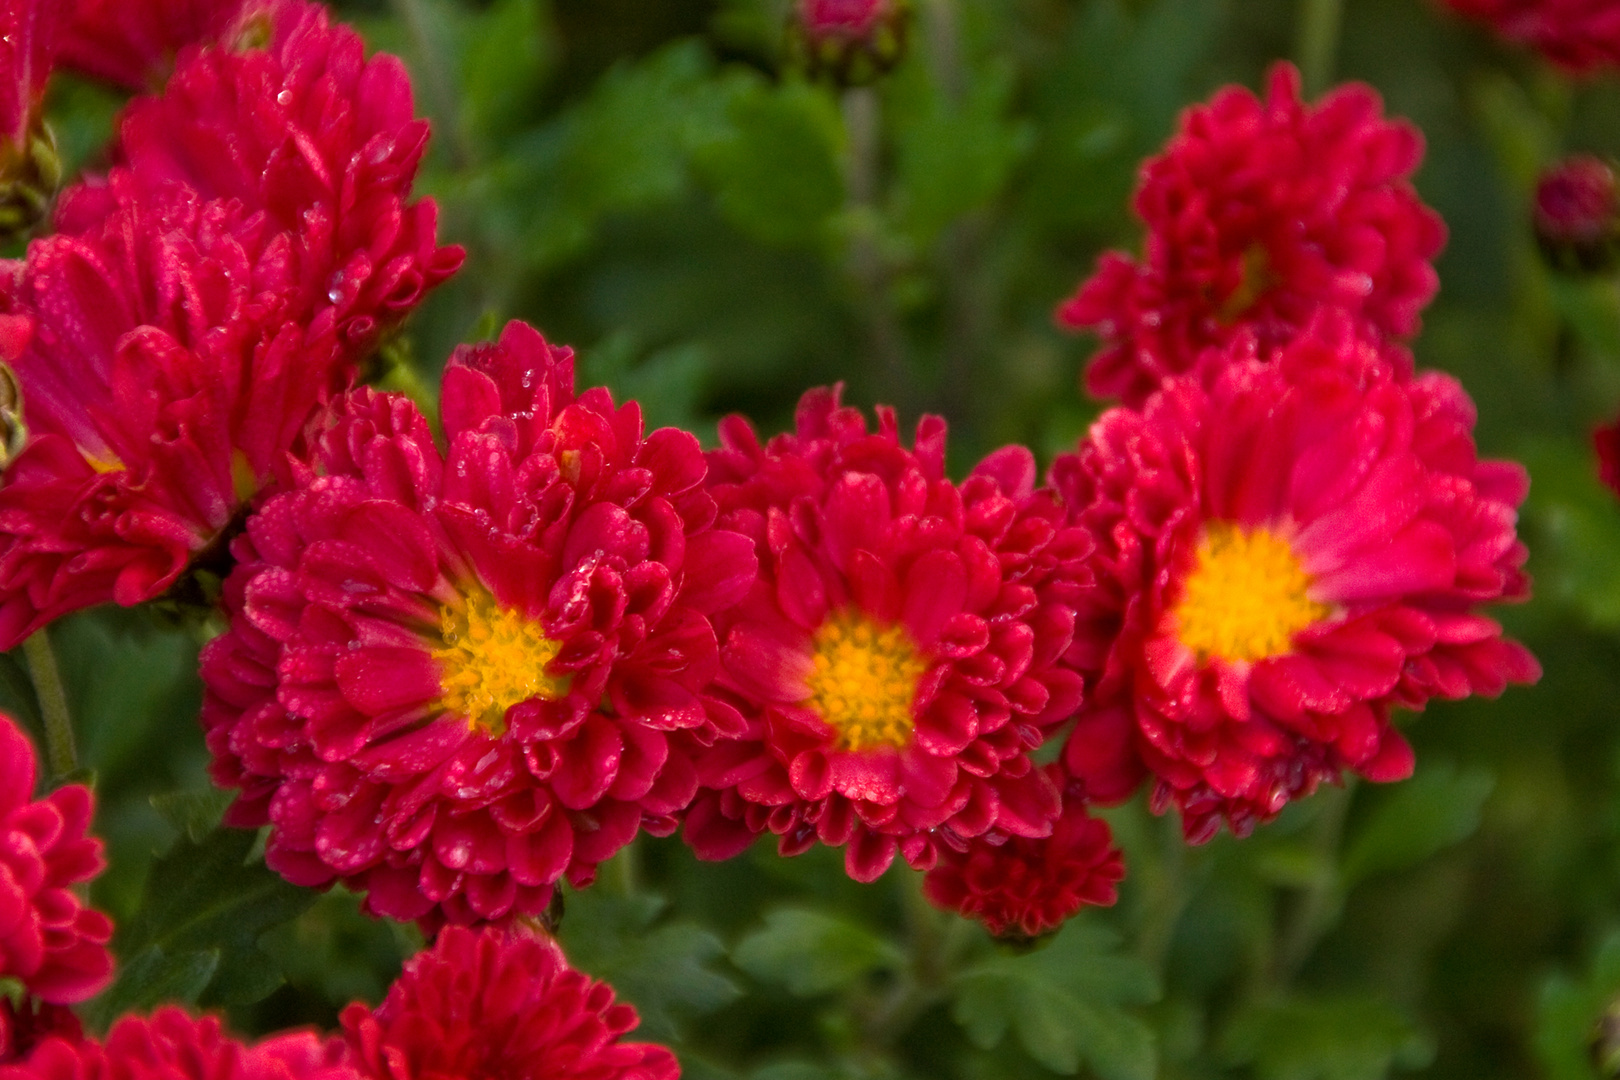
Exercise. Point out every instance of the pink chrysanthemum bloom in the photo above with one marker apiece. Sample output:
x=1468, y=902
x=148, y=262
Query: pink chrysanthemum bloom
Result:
x=1580, y=35
x=897, y=659
x=50, y=942
x=1259, y=213
x=315, y=136
x=1026, y=888
x=170, y=1045
x=1283, y=557
x=166, y=366
x=499, y=1003
x=134, y=43
x=451, y=679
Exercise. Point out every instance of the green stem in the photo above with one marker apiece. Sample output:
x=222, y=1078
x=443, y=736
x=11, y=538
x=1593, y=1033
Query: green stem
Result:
x=60, y=754
x=863, y=121
x=1319, y=23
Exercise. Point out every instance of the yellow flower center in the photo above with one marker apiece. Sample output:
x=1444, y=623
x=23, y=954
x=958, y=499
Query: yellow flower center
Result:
x=1246, y=596
x=865, y=681
x=493, y=659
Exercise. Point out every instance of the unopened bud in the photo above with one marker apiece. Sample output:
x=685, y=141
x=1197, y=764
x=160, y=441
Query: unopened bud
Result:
x=29, y=176
x=1577, y=215
x=851, y=42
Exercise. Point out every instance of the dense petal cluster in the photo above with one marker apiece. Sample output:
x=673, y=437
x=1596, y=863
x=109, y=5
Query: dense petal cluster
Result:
x=166, y=366
x=497, y=1003
x=897, y=659
x=134, y=43
x=50, y=942
x=1580, y=35
x=1284, y=556
x=174, y=337
x=1260, y=214
x=451, y=679
x=170, y=1045
x=1026, y=888
x=310, y=133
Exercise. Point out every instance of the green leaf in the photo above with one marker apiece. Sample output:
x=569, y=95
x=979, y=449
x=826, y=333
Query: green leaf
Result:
x=195, y=937
x=1346, y=1037
x=1064, y=1002
x=812, y=952
x=194, y=813
x=1574, y=527
x=508, y=53
x=775, y=166
x=666, y=971
x=1567, y=1014
x=1437, y=808
x=957, y=158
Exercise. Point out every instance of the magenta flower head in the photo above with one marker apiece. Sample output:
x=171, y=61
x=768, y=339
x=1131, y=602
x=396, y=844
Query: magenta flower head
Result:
x=50, y=942
x=134, y=43
x=897, y=660
x=1024, y=888
x=170, y=1045
x=852, y=41
x=499, y=1003
x=320, y=140
x=1577, y=35
x=166, y=366
x=29, y=168
x=1259, y=213
x=451, y=679
x=1282, y=559
x=1577, y=214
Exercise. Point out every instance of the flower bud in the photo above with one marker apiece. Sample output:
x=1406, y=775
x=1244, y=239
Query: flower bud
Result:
x=1576, y=219
x=851, y=42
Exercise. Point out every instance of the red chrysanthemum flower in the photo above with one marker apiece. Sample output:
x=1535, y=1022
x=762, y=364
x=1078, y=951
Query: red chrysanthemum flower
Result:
x=134, y=43
x=25, y=1025
x=166, y=366
x=1282, y=558
x=170, y=1045
x=898, y=658
x=450, y=680
x=1026, y=888
x=1579, y=35
x=499, y=1003
x=315, y=136
x=50, y=942
x=1259, y=214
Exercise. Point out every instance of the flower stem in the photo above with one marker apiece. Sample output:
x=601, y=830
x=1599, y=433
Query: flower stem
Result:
x=1318, y=46
x=1312, y=916
x=60, y=753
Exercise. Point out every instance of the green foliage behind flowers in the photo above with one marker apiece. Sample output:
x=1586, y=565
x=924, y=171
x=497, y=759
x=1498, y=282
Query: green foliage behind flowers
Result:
x=652, y=183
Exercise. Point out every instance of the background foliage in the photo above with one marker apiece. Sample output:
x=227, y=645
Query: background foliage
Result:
x=640, y=179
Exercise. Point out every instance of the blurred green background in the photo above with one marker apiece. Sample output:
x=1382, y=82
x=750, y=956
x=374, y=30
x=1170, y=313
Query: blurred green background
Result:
x=645, y=180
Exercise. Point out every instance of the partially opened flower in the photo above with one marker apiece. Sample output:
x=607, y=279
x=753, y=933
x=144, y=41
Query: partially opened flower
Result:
x=1023, y=888
x=319, y=139
x=450, y=680
x=852, y=40
x=1283, y=558
x=499, y=1003
x=166, y=365
x=1260, y=213
x=1580, y=35
x=50, y=942
x=896, y=661
x=1576, y=214
x=171, y=1045
x=134, y=43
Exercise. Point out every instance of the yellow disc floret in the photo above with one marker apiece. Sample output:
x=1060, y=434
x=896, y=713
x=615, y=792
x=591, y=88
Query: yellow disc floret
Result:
x=1246, y=597
x=492, y=659
x=865, y=681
